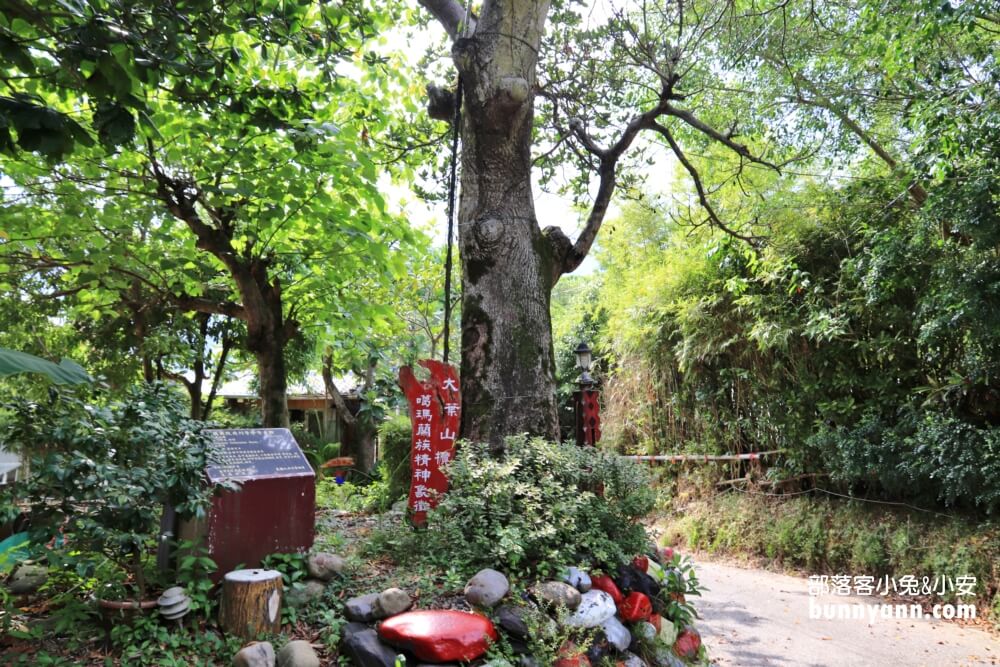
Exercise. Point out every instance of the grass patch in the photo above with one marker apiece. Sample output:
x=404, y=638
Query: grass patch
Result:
x=833, y=536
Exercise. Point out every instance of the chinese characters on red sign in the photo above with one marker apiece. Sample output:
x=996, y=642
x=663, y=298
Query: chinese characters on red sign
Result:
x=435, y=412
x=590, y=422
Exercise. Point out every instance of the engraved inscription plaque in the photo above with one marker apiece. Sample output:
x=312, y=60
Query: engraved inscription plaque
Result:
x=256, y=453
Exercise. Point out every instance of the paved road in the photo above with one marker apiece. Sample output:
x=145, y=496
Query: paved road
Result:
x=755, y=617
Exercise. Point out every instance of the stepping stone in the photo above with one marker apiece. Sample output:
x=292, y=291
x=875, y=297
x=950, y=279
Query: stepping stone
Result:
x=440, y=635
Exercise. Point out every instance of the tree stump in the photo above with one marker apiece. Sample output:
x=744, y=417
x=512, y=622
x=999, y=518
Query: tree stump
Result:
x=251, y=603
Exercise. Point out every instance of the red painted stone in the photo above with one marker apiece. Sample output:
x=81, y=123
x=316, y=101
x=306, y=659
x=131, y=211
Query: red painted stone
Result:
x=687, y=644
x=440, y=635
x=603, y=582
x=641, y=563
x=656, y=621
x=666, y=555
x=570, y=655
x=636, y=607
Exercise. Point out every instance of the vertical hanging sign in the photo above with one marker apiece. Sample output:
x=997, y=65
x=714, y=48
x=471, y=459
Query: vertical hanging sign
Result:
x=435, y=413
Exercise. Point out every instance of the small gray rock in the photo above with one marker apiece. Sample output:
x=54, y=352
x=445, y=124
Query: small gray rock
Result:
x=595, y=607
x=528, y=661
x=258, y=654
x=558, y=594
x=486, y=588
x=617, y=634
x=392, y=601
x=298, y=653
x=362, y=608
x=632, y=660
x=511, y=619
x=324, y=566
x=366, y=650
x=578, y=579
x=645, y=631
x=663, y=656
x=302, y=594
x=28, y=579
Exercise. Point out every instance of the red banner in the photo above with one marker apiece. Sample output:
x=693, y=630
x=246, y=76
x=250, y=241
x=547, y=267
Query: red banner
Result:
x=435, y=412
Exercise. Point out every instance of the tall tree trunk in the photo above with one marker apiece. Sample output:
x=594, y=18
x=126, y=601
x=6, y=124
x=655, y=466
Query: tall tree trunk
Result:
x=269, y=349
x=508, y=368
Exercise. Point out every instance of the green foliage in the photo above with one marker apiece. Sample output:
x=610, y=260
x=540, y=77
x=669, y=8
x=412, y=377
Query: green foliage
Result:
x=836, y=537
x=395, y=436
x=538, y=508
x=372, y=496
x=102, y=474
x=193, y=573
x=65, y=372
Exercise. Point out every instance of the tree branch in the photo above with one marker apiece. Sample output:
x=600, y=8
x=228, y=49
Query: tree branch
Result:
x=449, y=14
x=708, y=130
x=331, y=390
x=698, y=186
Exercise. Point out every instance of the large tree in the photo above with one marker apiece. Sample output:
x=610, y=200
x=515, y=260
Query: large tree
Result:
x=601, y=87
x=233, y=172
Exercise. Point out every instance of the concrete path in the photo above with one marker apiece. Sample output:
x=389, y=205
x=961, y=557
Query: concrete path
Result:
x=754, y=617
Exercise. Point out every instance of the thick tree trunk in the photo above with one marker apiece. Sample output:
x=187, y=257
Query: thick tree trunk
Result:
x=508, y=369
x=270, y=353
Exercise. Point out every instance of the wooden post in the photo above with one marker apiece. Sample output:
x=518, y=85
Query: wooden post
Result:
x=251, y=603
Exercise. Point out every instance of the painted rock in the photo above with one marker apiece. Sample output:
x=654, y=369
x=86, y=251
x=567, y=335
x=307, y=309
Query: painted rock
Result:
x=656, y=621
x=440, y=635
x=617, y=634
x=641, y=563
x=578, y=579
x=632, y=660
x=635, y=607
x=365, y=650
x=644, y=631
x=595, y=608
x=666, y=554
x=362, y=608
x=664, y=657
x=655, y=570
x=512, y=620
x=668, y=634
x=687, y=644
x=630, y=579
x=486, y=588
x=570, y=655
x=603, y=582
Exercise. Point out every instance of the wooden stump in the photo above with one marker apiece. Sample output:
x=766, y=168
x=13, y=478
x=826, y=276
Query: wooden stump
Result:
x=251, y=603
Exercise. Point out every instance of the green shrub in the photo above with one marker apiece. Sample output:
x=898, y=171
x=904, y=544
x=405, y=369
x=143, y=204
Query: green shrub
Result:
x=395, y=436
x=536, y=508
x=102, y=474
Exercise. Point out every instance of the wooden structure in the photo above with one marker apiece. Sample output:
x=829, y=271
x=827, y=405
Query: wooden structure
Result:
x=251, y=603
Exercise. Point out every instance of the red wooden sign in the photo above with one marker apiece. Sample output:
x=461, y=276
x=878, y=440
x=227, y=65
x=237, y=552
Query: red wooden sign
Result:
x=591, y=407
x=435, y=412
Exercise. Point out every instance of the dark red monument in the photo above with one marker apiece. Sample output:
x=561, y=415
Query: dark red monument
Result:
x=436, y=413
x=274, y=509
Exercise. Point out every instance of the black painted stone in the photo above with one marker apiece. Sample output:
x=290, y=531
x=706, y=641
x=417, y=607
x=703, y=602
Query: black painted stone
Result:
x=599, y=649
x=511, y=619
x=631, y=579
x=366, y=650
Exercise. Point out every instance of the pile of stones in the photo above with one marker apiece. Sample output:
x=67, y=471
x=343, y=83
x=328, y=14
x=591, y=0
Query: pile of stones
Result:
x=620, y=617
